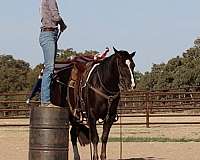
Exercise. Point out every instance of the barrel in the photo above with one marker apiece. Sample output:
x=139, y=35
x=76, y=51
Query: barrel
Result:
x=48, y=134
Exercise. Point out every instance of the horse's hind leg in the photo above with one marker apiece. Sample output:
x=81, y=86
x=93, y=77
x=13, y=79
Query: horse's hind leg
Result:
x=74, y=134
x=106, y=129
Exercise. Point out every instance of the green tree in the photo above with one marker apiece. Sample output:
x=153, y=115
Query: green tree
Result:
x=64, y=54
x=177, y=72
x=13, y=74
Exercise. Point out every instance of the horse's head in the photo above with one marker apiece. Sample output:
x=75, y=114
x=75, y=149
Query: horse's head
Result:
x=125, y=67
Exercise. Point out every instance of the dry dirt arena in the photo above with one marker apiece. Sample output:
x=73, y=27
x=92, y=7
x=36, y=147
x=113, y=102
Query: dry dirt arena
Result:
x=14, y=141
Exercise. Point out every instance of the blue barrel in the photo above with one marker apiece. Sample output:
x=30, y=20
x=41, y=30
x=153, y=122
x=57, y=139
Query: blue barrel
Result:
x=49, y=133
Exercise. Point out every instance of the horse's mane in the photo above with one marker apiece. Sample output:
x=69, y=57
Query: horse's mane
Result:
x=105, y=63
x=104, y=70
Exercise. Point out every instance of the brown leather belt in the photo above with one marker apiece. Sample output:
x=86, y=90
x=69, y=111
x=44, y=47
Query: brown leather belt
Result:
x=48, y=29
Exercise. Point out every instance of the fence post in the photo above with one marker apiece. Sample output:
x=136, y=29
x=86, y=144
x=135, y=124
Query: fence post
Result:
x=147, y=109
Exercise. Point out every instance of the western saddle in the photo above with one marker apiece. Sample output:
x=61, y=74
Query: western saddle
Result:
x=81, y=66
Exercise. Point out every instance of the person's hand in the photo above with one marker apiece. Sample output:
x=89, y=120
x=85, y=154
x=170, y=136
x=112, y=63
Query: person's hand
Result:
x=62, y=24
x=63, y=27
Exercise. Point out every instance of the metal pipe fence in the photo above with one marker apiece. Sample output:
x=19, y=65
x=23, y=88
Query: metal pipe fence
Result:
x=137, y=104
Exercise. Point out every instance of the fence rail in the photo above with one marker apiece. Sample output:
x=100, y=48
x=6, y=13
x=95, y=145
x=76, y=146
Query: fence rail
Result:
x=132, y=104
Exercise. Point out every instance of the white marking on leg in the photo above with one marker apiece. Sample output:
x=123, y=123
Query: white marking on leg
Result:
x=128, y=63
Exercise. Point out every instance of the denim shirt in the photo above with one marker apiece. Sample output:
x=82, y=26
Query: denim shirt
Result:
x=49, y=13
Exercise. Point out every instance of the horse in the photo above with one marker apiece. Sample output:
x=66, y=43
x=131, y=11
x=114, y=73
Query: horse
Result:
x=101, y=95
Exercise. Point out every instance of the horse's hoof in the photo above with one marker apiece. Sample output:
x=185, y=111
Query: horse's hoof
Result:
x=103, y=157
x=95, y=158
x=77, y=158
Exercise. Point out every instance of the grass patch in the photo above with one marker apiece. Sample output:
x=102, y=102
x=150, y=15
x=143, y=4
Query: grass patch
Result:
x=152, y=139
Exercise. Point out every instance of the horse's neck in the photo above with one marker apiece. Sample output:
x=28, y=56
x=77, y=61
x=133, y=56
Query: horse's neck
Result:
x=109, y=76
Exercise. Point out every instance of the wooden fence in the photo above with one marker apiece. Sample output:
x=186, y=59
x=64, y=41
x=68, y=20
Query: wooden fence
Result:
x=137, y=104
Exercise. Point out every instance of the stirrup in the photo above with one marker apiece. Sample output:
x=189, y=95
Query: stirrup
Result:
x=77, y=116
x=84, y=116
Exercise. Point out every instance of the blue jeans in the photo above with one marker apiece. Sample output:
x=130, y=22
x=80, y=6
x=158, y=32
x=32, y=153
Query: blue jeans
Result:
x=48, y=42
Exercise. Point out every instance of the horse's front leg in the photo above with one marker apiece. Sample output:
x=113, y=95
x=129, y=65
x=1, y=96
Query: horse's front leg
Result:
x=95, y=139
x=74, y=134
x=106, y=129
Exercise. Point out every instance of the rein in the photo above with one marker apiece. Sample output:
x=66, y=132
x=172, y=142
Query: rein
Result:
x=111, y=97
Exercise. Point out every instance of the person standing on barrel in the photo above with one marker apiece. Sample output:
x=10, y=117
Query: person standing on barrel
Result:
x=49, y=35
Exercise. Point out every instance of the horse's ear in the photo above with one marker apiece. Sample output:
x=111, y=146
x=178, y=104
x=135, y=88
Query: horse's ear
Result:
x=132, y=54
x=116, y=51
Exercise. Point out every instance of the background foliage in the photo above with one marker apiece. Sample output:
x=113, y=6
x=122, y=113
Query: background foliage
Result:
x=181, y=71
x=178, y=72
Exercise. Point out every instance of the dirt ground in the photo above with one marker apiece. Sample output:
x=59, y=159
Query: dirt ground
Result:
x=14, y=142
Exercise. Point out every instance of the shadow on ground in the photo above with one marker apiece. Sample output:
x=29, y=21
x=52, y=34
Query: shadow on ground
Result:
x=147, y=158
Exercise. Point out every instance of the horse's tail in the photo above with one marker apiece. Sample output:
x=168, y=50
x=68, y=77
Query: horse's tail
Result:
x=83, y=135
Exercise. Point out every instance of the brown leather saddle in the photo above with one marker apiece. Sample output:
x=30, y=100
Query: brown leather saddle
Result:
x=77, y=80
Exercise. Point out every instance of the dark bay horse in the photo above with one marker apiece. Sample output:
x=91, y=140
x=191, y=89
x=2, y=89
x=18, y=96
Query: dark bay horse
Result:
x=101, y=94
